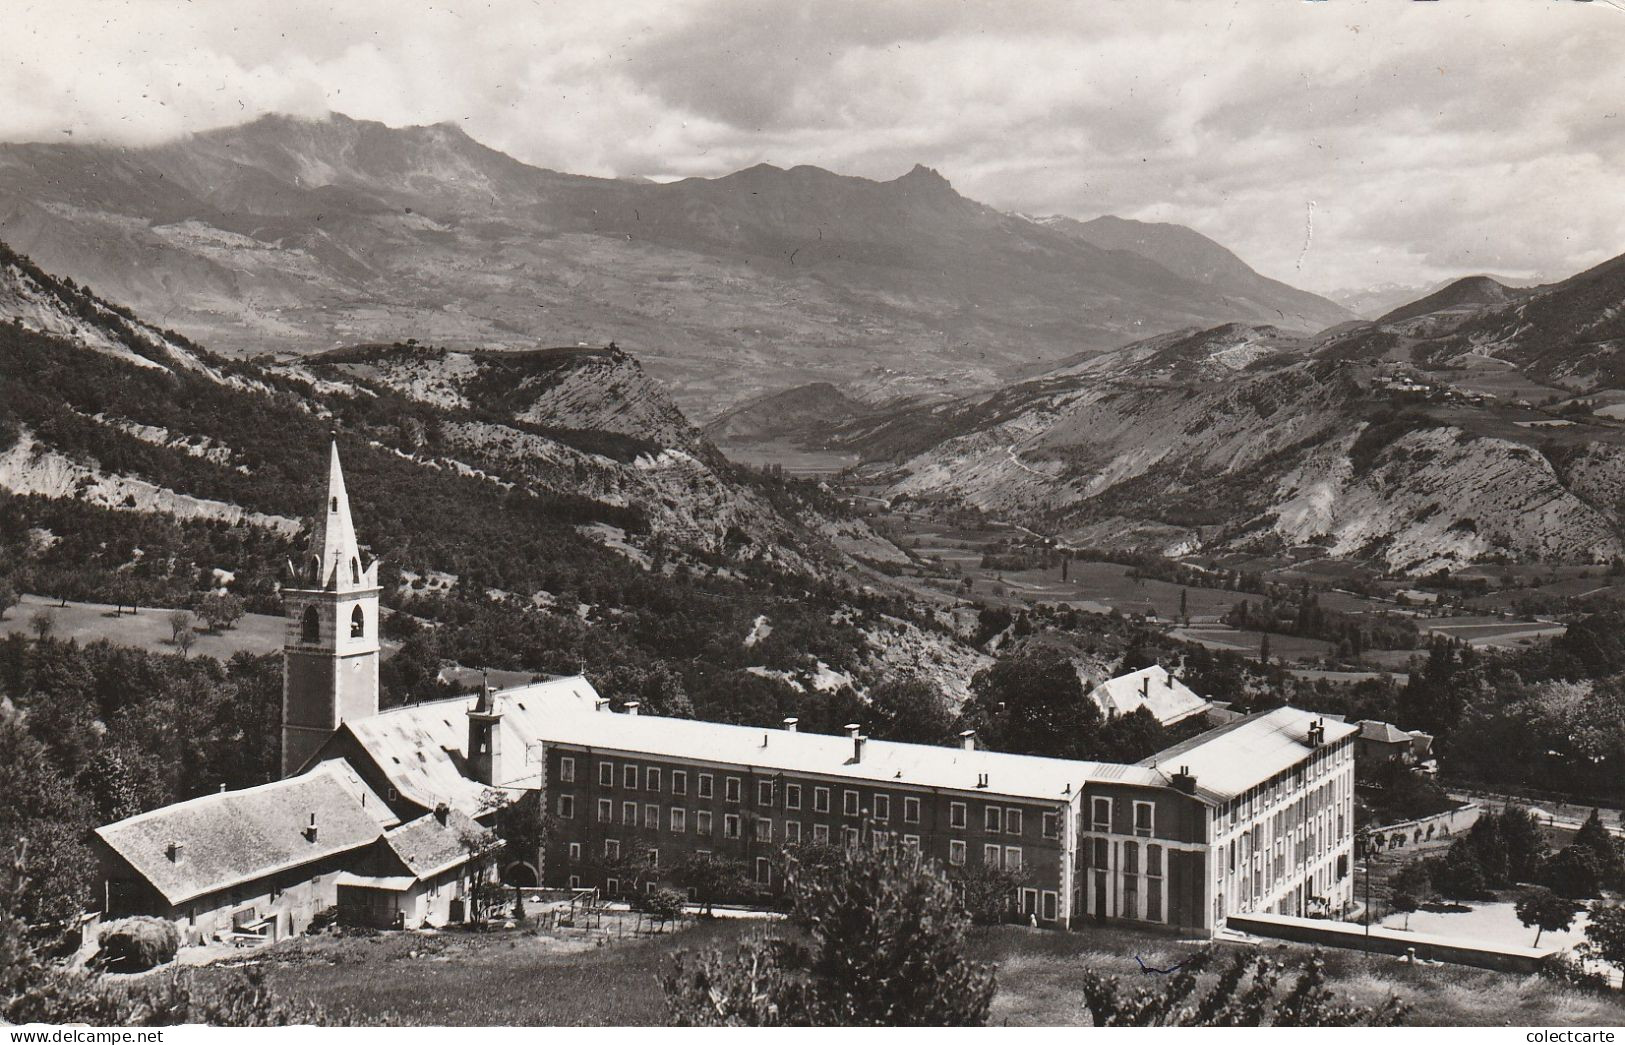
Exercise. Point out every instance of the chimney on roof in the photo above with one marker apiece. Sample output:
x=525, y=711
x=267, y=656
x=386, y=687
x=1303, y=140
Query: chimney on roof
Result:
x=631, y=707
x=600, y=703
x=310, y=832
x=176, y=850
x=1145, y=687
x=442, y=812
x=790, y=724
x=981, y=780
x=858, y=740
x=1184, y=781
x=1317, y=732
x=853, y=729
x=967, y=740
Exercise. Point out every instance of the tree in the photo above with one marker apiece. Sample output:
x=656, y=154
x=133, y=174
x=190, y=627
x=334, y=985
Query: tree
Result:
x=713, y=878
x=1574, y=872
x=180, y=621
x=42, y=624
x=910, y=709
x=884, y=946
x=8, y=598
x=1593, y=836
x=1525, y=844
x=1458, y=874
x=988, y=891
x=1546, y=911
x=1264, y=650
x=1033, y=703
x=1405, y=902
x=222, y=610
x=1130, y=737
x=185, y=641
x=483, y=848
x=1605, y=935
x=1246, y=993
x=1411, y=886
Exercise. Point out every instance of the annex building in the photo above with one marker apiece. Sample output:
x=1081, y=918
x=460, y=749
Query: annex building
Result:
x=1254, y=816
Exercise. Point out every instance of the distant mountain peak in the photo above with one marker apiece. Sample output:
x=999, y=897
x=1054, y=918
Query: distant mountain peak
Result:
x=921, y=176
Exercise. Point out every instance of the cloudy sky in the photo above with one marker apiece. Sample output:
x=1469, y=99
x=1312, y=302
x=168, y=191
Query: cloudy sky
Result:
x=1332, y=144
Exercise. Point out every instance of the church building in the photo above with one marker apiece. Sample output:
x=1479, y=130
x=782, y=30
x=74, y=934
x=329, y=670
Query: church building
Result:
x=1256, y=815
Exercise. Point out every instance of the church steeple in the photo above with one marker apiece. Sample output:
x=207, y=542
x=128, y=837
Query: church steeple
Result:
x=330, y=654
x=334, y=560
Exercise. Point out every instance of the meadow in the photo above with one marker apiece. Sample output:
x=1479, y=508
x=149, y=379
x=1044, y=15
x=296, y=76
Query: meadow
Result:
x=521, y=977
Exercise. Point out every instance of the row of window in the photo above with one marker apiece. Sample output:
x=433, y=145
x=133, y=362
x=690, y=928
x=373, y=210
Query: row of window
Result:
x=995, y=819
x=1043, y=905
x=677, y=820
x=1287, y=783
x=1100, y=816
x=1008, y=857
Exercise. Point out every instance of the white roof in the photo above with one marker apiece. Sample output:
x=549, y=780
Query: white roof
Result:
x=422, y=749
x=1152, y=688
x=233, y=837
x=1232, y=758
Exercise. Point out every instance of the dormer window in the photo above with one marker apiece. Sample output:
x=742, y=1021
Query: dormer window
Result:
x=332, y=504
x=358, y=623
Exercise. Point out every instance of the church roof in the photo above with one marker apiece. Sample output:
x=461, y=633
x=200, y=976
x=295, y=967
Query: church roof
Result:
x=426, y=846
x=421, y=748
x=333, y=561
x=201, y=846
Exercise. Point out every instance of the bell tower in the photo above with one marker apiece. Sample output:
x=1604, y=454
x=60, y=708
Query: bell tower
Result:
x=330, y=649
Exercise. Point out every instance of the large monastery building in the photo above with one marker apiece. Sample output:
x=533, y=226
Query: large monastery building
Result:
x=1256, y=815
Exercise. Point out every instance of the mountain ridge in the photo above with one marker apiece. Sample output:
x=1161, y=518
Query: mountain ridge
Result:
x=292, y=235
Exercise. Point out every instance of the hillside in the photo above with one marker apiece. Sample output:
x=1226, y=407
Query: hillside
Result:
x=1246, y=438
x=305, y=235
x=1196, y=257
x=1469, y=293
x=805, y=412
x=535, y=511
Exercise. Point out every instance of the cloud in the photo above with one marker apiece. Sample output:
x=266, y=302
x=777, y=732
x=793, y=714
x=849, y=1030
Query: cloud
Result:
x=1426, y=140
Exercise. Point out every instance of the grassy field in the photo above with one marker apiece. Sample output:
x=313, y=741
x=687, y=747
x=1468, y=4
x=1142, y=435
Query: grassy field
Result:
x=147, y=629
x=513, y=978
x=522, y=978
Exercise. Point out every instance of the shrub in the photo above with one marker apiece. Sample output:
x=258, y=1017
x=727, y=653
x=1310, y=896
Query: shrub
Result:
x=137, y=944
x=884, y=946
x=662, y=903
x=1246, y=993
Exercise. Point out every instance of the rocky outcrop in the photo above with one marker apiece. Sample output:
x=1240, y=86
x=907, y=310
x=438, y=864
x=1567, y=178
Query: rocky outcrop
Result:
x=28, y=467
